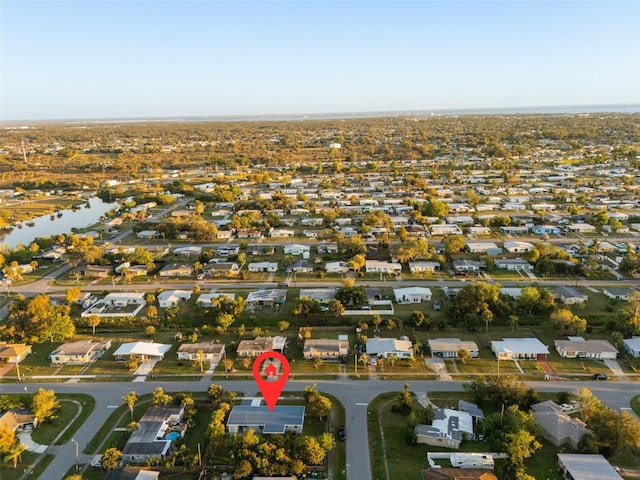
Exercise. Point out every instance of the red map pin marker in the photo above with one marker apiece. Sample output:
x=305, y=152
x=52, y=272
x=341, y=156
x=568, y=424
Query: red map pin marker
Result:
x=276, y=372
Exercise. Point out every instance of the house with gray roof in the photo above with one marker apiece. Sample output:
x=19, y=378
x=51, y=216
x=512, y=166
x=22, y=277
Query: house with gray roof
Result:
x=632, y=346
x=558, y=427
x=283, y=418
x=578, y=347
x=449, y=347
x=582, y=466
x=158, y=428
x=569, y=295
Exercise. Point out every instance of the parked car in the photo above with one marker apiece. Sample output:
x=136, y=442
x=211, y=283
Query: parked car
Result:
x=599, y=376
x=342, y=434
x=565, y=407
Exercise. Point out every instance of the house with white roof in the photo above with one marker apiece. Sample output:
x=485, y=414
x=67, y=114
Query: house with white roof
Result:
x=263, y=267
x=377, y=266
x=447, y=429
x=144, y=350
x=412, y=294
x=512, y=264
x=297, y=249
x=121, y=299
x=518, y=247
x=205, y=300
x=336, y=267
x=326, y=348
x=171, y=298
x=519, y=348
x=385, y=347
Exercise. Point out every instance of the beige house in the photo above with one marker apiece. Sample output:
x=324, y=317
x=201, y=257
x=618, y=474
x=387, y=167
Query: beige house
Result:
x=326, y=348
x=13, y=352
x=253, y=348
x=210, y=351
x=79, y=353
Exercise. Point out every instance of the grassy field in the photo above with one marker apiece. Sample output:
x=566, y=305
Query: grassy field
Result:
x=68, y=419
x=28, y=460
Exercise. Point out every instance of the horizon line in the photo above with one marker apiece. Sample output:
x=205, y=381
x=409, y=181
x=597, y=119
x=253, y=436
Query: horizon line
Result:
x=335, y=114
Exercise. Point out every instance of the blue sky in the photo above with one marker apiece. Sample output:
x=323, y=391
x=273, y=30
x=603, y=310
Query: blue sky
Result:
x=106, y=59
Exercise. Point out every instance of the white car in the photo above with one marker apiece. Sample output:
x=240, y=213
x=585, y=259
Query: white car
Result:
x=565, y=407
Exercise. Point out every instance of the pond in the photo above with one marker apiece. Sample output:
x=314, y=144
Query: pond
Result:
x=60, y=223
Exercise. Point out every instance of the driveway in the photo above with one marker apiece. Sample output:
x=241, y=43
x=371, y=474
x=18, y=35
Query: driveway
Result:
x=615, y=367
x=438, y=366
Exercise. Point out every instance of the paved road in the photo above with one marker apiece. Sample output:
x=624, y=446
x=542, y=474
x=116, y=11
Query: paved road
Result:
x=354, y=395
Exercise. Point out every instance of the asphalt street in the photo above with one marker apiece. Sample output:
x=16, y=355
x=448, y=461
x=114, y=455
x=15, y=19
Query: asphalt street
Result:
x=354, y=395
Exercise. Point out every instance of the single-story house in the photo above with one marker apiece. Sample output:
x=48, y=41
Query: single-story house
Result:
x=376, y=266
x=272, y=297
x=586, y=466
x=581, y=228
x=122, y=299
x=171, y=298
x=546, y=229
x=18, y=419
x=256, y=347
x=632, y=346
x=449, y=347
x=147, y=234
x=13, y=352
x=95, y=271
x=225, y=269
x=283, y=418
x=205, y=300
x=557, y=427
x=249, y=233
x=158, y=428
x=518, y=247
x=418, y=267
x=448, y=428
x=145, y=350
x=386, y=347
x=488, y=248
x=79, y=353
x=189, y=251
x=325, y=348
x=336, y=267
x=281, y=233
x=468, y=266
x=412, y=294
x=297, y=249
x=512, y=264
x=618, y=293
x=210, y=351
x=578, y=347
x=263, y=267
x=445, y=229
x=176, y=270
x=300, y=266
x=569, y=295
x=518, y=348
x=322, y=295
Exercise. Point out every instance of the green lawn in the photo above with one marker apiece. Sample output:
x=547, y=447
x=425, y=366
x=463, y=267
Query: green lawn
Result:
x=7, y=472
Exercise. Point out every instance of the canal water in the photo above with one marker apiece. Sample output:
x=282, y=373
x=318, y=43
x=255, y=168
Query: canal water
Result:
x=44, y=226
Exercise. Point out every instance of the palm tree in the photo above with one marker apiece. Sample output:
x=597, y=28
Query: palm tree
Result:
x=14, y=453
x=130, y=399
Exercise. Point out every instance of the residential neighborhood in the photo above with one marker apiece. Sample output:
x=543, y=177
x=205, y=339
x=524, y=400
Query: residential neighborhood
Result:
x=435, y=263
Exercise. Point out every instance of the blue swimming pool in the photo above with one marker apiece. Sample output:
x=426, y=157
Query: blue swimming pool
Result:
x=172, y=436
